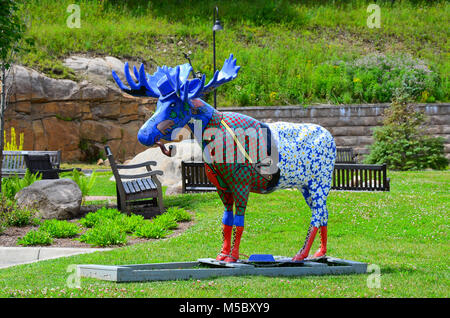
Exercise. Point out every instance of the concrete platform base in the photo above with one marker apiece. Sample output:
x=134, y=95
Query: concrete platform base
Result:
x=208, y=268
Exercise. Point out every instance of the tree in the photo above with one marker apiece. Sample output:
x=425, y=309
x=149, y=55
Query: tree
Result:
x=402, y=142
x=12, y=28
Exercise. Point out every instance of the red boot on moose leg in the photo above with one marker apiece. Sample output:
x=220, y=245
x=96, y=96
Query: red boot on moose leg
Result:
x=304, y=252
x=323, y=243
x=226, y=247
x=236, y=241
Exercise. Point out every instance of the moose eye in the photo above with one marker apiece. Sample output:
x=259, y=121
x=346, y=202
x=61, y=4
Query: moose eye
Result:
x=172, y=105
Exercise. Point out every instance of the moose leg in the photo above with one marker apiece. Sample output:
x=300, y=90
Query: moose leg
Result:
x=323, y=220
x=312, y=230
x=241, y=191
x=227, y=224
x=237, y=235
x=323, y=242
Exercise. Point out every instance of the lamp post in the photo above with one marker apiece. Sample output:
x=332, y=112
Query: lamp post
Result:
x=216, y=27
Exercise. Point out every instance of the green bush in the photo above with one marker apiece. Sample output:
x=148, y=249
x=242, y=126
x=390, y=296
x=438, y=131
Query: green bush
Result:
x=20, y=216
x=167, y=221
x=402, y=143
x=151, y=229
x=93, y=218
x=106, y=233
x=60, y=228
x=35, y=237
x=129, y=223
x=180, y=214
x=377, y=78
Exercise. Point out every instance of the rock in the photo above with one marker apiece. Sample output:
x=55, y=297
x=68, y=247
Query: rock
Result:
x=100, y=162
x=174, y=189
x=54, y=199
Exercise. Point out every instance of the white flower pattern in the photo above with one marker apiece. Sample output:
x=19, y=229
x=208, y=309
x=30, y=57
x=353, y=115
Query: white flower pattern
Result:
x=307, y=153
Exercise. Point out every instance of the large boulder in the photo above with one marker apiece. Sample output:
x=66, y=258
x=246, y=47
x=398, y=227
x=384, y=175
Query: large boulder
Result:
x=54, y=199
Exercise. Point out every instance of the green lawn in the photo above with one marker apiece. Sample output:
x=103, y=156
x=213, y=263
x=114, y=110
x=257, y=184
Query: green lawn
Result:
x=404, y=232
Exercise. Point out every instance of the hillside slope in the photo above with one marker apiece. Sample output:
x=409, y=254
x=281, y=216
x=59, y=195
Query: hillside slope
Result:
x=290, y=53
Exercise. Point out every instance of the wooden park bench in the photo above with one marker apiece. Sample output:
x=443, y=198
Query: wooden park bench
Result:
x=14, y=161
x=346, y=177
x=360, y=177
x=42, y=165
x=134, y=190
x=194, y=177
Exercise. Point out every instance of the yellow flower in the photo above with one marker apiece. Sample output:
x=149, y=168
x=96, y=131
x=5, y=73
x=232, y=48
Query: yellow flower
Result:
x=272, y=96
x=356, y=80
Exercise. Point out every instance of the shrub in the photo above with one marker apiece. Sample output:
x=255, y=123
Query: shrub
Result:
x=167, y=221
x=180, y=214
x=106, y=233
x=93, y=218
x=84, y=183
x=59, y=228
x=151, y=229
x=35, y=237
x=129, y=223
x=384, y=78
x=20, y=216
x=402, y=143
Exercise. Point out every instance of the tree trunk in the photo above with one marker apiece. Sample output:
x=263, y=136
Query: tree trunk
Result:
x=2, y=119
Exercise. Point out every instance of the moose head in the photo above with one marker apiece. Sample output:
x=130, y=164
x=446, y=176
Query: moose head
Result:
x=175, y=93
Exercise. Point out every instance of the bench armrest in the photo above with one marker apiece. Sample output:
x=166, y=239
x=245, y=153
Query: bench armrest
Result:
x=142, y=175
x=137, y=165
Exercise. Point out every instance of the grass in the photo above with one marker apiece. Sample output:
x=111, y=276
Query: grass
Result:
x=404, y=232
x=288, y=51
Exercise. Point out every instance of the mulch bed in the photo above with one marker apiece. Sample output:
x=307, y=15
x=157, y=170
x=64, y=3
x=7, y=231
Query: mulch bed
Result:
x=10, y=236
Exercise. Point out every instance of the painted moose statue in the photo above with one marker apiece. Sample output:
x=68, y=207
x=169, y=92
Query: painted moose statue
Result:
x=241, y=154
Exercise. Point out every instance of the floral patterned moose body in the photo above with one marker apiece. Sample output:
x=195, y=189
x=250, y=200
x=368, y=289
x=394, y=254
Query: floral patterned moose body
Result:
x=242, y=154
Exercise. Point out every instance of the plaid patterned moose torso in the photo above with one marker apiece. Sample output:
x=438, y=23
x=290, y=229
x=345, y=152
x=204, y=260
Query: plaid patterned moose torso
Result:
x=242, y=154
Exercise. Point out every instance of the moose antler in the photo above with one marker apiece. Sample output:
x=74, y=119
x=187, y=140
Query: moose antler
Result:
x=167, y=79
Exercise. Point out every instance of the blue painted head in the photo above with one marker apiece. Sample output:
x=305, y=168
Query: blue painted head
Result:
x=174, y=92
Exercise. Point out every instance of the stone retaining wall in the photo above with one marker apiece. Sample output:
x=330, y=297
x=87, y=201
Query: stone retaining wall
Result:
x=351, y=125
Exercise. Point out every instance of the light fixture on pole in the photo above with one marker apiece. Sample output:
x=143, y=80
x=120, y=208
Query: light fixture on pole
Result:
x=216, y=27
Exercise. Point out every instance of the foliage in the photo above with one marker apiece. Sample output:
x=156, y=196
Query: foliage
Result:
x=180, y=214
x=85, y=183
x=60, y=228
x=11, y=28
x=151, y=229
x=166, y=221
x=106, y=233
x=402, y=142
x=12, y=215
x=129, y=223
x=12, y=145
x=13, y=184
x=93, y=218
x=35, y=237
